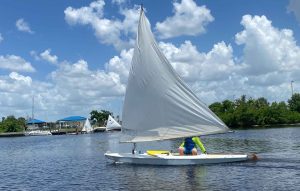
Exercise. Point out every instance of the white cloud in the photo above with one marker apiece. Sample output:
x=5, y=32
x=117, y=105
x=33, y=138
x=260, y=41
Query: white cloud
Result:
x=76, y=80
x=112, y=32
x=188, y=19
x=121, y=64
x=35, y=55
x=13, y=90
x=46, y=55
x=294, y=7
x=15, y=63
x=269, y=63
x=267, y=66
x=72, y=85
x=14, y=82
x=118, y=2
x=22, y=25
x=16, y=93
x=18, y=77
x=267, y=49
x=193, y=65
x=1, y=38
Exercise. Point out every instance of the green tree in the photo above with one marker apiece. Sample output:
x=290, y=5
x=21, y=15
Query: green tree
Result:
x=249, y=112
x=100, y=117
x=11, y=124
x=294, y=102
x=217, y=108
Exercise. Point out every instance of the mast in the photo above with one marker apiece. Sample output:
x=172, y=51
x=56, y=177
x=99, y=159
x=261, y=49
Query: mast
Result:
x=133, y=148
x=32, y=109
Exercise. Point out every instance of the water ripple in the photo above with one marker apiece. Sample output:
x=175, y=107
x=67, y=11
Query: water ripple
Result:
x=77, y=163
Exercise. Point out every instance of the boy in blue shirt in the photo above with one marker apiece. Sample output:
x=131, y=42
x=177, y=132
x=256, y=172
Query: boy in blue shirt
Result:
x=188, y=146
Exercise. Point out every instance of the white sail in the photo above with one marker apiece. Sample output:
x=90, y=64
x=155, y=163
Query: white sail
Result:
x=112, y=124
x=87, y=126
x=158, y=105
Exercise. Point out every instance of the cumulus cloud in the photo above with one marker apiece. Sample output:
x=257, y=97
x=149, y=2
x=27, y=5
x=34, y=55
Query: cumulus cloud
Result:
x=268, y=63
x=294, y=7
x=108, y=31
x=188, y=19
x=267, y=49
x=14, y=82
x=20, y=78
x=193, y=65
x=15, y=63
x=121, y=64
x=46, y=55
x=16, y=93
x=76, y=80
x=71, y=85
x=23, y=26
x=1, y=38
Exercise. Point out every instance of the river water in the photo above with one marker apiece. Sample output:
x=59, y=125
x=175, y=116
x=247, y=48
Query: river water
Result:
x=70, y=162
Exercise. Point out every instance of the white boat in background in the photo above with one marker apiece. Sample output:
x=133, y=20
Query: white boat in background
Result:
x=99, y=129
x=38, y=133
x=158, y=106
x=87, y=127
x=112, y=124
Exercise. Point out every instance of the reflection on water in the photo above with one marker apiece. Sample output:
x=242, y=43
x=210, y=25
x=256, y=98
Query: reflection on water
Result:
x=78, y=163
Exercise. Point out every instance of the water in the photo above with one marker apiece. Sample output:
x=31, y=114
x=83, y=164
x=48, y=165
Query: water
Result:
x=71, y=162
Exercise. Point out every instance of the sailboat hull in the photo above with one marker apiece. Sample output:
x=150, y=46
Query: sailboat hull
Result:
x=173, y=160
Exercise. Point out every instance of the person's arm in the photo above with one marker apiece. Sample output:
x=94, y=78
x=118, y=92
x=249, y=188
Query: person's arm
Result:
x=182, y=144
x=199, y=144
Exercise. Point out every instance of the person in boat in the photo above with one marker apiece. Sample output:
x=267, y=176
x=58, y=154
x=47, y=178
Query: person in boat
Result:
x=188, y=146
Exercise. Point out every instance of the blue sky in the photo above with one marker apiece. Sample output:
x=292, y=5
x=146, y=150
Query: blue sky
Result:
x=74, y=56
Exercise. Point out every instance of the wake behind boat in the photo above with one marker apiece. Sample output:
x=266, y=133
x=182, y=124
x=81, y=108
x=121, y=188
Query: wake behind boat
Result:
x=154, y=90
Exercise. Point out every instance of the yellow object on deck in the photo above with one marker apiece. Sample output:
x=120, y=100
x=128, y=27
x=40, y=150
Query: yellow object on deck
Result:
x=157, y=152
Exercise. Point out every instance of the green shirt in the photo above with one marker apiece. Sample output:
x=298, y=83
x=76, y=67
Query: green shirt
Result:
x=198, y=143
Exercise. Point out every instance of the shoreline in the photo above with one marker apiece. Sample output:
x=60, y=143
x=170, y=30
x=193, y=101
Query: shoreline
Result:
x=12, y=134
x=267, y=126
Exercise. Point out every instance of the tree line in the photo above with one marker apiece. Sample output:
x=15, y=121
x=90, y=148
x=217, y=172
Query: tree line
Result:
x=248, y=112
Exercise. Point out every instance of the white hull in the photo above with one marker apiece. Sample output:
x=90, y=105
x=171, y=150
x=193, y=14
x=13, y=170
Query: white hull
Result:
x=99, y=129
x=114, y=129
x=164, y=159
x=86, y=132
x=38, y=133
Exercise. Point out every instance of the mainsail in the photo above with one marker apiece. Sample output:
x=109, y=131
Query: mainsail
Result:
x=158, y=105
x=112, y=124
x=87, y=126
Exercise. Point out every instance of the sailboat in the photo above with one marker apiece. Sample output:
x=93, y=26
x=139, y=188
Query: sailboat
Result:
x=87, y=128
x=158, y=106
x=112, y=124
x=33, y=125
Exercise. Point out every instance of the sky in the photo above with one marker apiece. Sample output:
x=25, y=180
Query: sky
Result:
x=73, y=57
